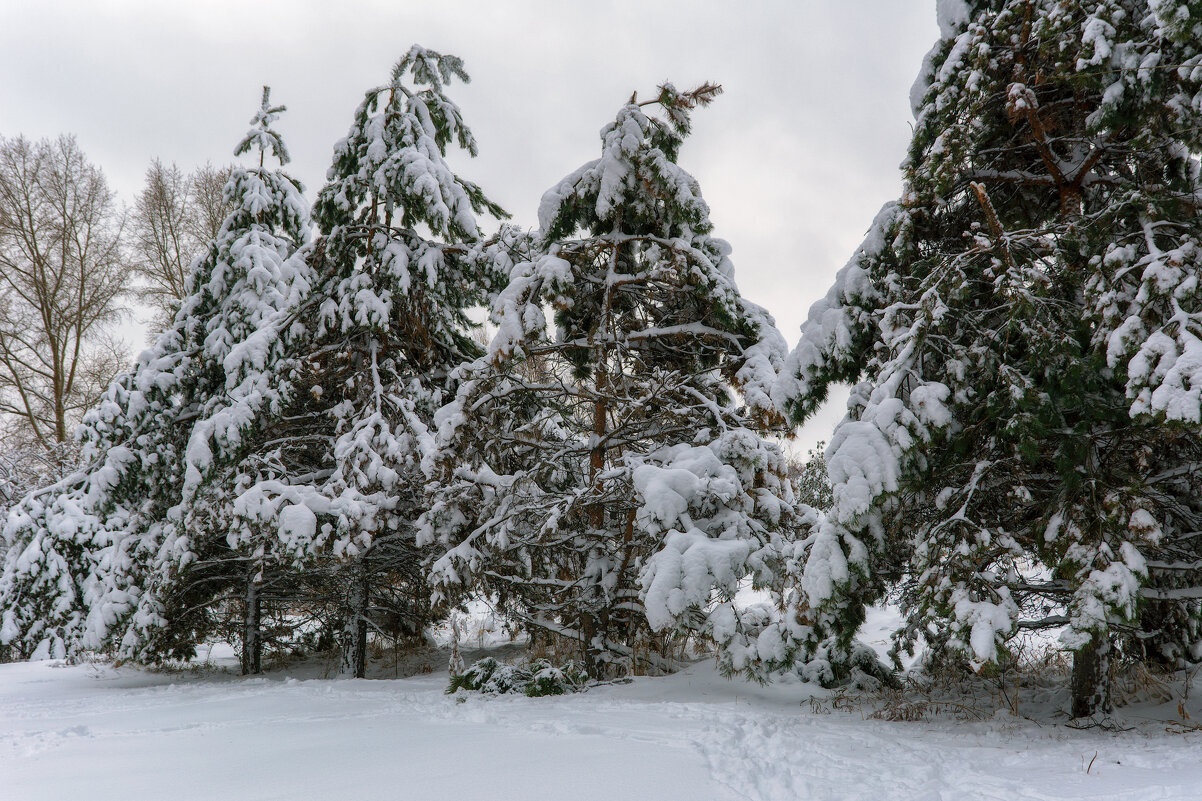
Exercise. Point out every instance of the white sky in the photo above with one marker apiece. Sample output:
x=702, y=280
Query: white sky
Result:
x=794, y=159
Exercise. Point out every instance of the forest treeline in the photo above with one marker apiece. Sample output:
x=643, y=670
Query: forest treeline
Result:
x=321, y=450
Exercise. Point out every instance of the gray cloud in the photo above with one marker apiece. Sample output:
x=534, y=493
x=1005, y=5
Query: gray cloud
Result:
x=795, y=159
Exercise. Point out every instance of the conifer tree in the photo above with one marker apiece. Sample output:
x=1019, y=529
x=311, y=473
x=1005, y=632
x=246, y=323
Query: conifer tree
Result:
x=280, y=423
x=402, y=263
x=129, y=551
x=599, y=474
x=1021, y=445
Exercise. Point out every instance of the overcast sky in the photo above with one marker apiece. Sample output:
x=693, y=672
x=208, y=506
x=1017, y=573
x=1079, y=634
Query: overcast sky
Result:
x=794, y=159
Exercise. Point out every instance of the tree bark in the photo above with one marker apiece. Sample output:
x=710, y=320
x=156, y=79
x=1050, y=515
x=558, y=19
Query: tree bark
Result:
x=589, y=653
x=1091, y=679
x=353, y=640
x=252, y=635
x=597, y=454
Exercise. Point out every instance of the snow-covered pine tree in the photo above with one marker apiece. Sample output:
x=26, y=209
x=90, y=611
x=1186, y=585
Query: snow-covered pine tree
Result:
x=130, y=551
x=601, y=476
x=252, y=321
x=402, y=263
x=810, y=482
x=1021, y=450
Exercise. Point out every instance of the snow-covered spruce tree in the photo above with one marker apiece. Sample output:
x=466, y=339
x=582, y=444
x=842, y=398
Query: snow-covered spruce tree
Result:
x=810, y=481
x=401, y=262
x=601, y=476
x=1022, y=448
x=251, y=330
x=130, y=551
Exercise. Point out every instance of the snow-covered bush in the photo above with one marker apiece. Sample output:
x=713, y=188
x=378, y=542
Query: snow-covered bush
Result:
x=537, y=679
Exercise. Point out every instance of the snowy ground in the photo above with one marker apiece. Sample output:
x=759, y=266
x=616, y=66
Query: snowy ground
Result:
x=98, y=733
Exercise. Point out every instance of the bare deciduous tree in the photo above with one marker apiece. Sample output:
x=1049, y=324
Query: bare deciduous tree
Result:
x=61, y=275
x=23, y=468
x=174, y=218
x=161, y=239
x=209, y=206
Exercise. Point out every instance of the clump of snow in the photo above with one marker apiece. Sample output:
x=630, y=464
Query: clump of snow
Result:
x=951, y=16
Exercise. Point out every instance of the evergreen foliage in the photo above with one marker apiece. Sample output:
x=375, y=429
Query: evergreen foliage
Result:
x=267, y=451
x=598, y=473
x=319, y=436
x=1021, y=445
x=536, y=680
x=810, y=480
x=401, y=262
x=127, y=551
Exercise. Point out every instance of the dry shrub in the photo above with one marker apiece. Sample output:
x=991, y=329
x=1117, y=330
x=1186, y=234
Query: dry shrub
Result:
x=897, y=705
x=1139, y=683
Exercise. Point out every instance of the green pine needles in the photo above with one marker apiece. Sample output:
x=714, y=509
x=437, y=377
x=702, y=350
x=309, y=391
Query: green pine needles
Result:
x=1021, y=445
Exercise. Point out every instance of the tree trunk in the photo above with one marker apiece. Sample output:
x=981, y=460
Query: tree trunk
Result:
x=1091, y=678
x=597, y=454
x=601, y=403
x=588, y=651
x=252, y=636
x=353, y=640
